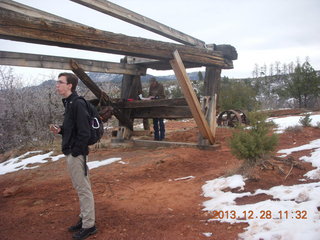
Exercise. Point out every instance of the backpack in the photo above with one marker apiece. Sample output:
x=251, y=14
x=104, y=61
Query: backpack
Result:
x=96, y=124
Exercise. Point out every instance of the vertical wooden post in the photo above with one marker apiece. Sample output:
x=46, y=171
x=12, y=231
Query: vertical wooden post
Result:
x=209, y=104
x=212, y=81
x=130, y=88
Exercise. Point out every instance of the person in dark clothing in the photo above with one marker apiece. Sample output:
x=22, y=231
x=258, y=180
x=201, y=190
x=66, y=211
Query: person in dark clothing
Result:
x=156, y=91
x=75, y=132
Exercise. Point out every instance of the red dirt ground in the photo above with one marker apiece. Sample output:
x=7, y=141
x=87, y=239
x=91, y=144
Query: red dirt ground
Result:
x=140, y=199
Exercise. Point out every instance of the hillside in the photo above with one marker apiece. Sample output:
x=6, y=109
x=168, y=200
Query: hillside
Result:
x=145, y=193
x=116, y=78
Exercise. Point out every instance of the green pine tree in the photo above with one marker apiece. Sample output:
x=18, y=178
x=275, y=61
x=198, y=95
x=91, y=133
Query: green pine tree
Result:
x=253, y=144
x=302, y=85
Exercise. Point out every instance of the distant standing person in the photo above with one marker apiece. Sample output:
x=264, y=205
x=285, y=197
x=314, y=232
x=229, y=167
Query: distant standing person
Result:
x=75, y=132
x=156, y=91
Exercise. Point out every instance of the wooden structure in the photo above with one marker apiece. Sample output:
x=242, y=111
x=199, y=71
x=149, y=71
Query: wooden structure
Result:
x=19, y=22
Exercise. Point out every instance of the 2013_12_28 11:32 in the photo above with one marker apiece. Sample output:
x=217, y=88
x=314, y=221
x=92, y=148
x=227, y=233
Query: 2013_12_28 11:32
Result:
x=262, y=214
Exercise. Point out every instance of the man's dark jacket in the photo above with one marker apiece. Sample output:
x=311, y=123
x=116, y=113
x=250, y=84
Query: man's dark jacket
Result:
x=75, y=129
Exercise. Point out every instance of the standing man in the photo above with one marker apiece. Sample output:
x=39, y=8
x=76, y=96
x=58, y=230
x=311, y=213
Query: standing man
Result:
x=75, y=132
x=156, y=91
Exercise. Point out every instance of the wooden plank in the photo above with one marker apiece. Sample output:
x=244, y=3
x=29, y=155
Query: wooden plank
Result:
x=191, y=97
x=212, y=81
x=211, y=89
x=151, y=103
x=17, y=26
x=141, y=21
x=210, y=112
x=228, y=51
x=156, y=144
x=53, y=62
x=156, y=64
x=177, y=112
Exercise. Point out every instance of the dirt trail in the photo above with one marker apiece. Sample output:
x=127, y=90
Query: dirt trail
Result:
x=140, y=199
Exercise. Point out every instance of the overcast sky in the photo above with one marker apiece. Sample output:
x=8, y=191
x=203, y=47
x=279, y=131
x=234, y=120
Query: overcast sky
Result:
x=263, y=31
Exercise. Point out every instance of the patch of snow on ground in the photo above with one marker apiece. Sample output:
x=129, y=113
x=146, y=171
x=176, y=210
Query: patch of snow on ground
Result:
x=314, y=158
x=22, y=162
x=281, y=219
x=207, y=234
x=291, y=121
x=293, y=215
x=96, y=164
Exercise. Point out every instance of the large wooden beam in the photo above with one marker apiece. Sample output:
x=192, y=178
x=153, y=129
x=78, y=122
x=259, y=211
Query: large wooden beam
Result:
x=151, y=103
x=173, y=112
x=45, y=61
x=211, y=90
x=18, y=26
x=156, y=64
x=191, y=97
x=141, y=21
x=229, y=52
x=158, y=108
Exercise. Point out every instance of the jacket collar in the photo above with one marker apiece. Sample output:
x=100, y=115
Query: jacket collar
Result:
x=70, y=98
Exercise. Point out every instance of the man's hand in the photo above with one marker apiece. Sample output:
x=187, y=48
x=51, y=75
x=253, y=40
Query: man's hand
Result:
x=54, y=128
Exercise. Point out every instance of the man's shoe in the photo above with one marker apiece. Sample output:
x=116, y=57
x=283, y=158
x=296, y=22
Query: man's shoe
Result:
x=84, y=233
x=76, y=227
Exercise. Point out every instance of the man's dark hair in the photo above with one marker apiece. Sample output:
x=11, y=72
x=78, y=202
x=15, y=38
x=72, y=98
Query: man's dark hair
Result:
x=152, y=79
x=71, y=79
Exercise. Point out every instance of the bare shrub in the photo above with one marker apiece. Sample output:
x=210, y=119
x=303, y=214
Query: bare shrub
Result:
x=294, y=129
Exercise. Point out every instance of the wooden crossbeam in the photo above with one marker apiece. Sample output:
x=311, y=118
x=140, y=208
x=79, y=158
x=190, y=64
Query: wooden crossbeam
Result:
x=191, y=97
x=151, y=103
x=141, y=21
x=156, y=64
x=53, y=62
x=15, y=25
x=173, y=112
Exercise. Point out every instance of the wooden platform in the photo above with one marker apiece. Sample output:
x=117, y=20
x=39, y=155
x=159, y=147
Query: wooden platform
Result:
x=155, y=144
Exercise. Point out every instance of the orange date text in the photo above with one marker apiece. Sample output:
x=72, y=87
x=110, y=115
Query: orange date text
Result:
x=262, y=214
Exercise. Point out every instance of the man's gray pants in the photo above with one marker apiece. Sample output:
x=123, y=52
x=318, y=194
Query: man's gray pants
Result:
x=76, y=167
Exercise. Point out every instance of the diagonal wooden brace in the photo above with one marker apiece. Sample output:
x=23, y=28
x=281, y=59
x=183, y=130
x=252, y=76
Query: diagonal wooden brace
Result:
x=192, y=100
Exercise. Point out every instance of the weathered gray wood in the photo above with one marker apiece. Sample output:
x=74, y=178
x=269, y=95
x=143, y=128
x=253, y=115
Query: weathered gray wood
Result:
x=21, y=27
x=209, y=110
x=175, y=112
x=191, y=97
x=126, y=84
x=141, y=21
x=131, y=87
x=165, y=144
x=45, y=61
x=156, y=64
x=212, y=81
x=227, y=50
x=151, y=103
x=209, y=106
